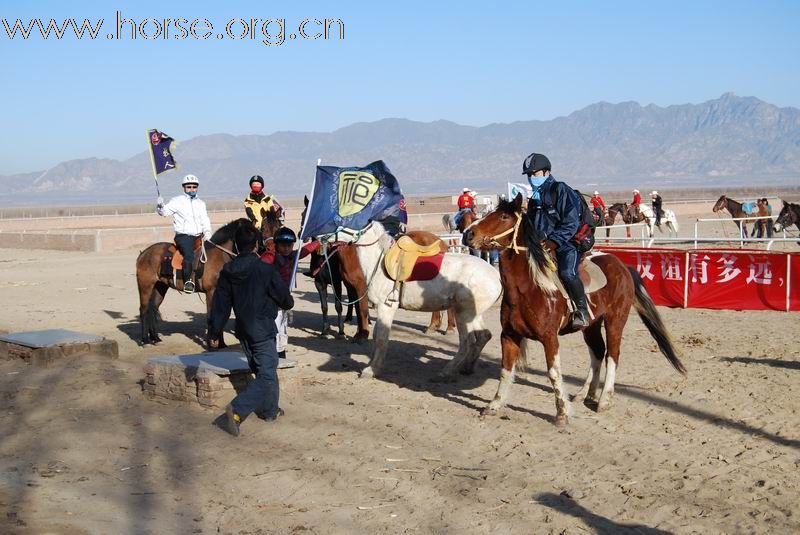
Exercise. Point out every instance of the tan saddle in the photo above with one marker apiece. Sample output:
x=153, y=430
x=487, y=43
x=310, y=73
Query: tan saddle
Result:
x=402, y=256
x=177, y=257
x=591, y=276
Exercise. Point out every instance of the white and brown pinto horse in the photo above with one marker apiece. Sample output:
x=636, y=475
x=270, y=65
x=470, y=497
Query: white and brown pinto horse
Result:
x=532, y=308
x=464, y=283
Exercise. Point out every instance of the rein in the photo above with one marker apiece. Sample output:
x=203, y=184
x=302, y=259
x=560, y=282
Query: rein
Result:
x=221, y=248
x=492, y=240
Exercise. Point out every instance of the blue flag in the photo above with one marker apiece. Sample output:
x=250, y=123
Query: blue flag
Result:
x=160, y=154
x=351, y=197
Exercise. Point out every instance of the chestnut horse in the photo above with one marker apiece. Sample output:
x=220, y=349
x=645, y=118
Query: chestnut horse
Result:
x=611, y=216
x=533, y=308
x=153, y=285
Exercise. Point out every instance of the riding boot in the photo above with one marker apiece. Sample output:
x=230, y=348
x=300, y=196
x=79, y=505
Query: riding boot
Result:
x=580, y=318
x=188, y=283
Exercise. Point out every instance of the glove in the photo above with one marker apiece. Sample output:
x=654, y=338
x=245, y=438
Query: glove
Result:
x=549, y=246
x=160, y=202
x=207, y=236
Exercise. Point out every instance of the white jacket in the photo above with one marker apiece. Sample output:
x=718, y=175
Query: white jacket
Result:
x=189, y=215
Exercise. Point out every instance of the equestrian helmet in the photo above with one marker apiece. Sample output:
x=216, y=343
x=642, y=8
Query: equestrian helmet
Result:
x=285, y=235
x=257, y=178
x=535, y=162
x=190, y=179
x=465, y=190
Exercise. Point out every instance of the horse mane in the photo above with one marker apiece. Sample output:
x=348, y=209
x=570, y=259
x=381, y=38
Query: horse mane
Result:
x=540, y=264
x=271, y=217
x=228, y=231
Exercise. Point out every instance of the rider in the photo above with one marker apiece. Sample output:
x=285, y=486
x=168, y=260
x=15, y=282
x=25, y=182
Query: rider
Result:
x=283, y=260
x=633, y=210
x=598, y=206
x=466, y=203
x=554, y=210
x=656, y=202
x=257, y=203
x=190, y=221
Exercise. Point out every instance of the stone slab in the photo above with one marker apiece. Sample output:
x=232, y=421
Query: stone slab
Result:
x=49, y=338
x=219, y=362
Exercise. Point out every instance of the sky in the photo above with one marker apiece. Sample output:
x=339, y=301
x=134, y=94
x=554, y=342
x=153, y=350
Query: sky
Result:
x=473, y=63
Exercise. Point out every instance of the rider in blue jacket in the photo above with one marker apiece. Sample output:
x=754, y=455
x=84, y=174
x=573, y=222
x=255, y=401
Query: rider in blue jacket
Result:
x=554, y=210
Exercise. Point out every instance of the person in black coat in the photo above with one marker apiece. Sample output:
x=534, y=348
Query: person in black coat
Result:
x=656, y=198
x=255, y=291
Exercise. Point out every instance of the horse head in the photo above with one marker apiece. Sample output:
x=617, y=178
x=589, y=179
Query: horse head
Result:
x=720, y=204
x=508, y=227
x=789, y=216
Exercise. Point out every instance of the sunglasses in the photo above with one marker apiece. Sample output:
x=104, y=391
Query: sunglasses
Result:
x=190, y=186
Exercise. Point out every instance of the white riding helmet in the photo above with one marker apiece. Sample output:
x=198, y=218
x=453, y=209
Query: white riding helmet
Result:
x=654, y=193
x=190, y=179
x=597, y=193
x=636, y=191
x=465, y=190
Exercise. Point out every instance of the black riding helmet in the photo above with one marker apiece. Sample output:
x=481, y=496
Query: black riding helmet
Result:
x=535, y=162
x=257, y=178
x=285, y=235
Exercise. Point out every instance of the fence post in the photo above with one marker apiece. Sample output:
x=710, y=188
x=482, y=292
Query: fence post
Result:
x=788, y=280
x=686, y=281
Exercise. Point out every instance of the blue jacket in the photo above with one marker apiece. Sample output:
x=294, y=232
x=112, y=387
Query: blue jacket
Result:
x=555, y=212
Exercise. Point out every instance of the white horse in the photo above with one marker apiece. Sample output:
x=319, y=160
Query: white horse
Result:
x=465, y=283
x=667, y=218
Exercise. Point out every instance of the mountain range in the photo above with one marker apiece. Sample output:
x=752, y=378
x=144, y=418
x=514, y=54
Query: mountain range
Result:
x=727, y=141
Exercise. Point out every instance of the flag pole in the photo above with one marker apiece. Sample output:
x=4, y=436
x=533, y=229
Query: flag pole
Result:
x=152, y=162
x=293, y=283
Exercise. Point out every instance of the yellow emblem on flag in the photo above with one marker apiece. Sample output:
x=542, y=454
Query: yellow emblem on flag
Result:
x=356, y=190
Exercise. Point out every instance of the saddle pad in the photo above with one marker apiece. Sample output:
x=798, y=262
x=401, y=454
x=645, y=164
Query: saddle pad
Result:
x=426, y=268
x=750, y=208
x=401, y=258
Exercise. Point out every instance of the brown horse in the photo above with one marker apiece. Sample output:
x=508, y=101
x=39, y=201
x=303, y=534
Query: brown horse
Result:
x=736, y=210
x=533, y=308
x=611, y=214
x=153, y=285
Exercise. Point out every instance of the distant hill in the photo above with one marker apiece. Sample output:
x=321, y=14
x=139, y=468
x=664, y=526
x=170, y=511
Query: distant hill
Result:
x=728, y=141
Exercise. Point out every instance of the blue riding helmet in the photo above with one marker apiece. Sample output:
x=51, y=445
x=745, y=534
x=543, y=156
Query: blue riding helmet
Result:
x=285, y=235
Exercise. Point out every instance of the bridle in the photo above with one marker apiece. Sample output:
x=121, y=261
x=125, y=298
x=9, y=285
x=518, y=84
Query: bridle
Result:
x=514, y=231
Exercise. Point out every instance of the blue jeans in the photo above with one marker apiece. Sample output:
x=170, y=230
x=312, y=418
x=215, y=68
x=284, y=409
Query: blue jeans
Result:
x=567, y=258
x=262, y=393
x=185, y=244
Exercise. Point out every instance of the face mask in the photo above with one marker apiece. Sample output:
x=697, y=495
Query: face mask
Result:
x=536, y=181
x=256, y=188
x=192, y=194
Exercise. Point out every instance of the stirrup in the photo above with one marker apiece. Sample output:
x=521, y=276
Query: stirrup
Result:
x=188, y=287
x=579, y=320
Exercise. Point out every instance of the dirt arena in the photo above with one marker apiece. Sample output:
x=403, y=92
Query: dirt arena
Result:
x=83, y=451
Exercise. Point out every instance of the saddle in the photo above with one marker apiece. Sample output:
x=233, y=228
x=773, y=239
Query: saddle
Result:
x=407, y=261
x=591, y=276
x=172, y=263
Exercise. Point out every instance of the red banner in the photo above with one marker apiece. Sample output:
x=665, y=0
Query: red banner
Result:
x=717, y=279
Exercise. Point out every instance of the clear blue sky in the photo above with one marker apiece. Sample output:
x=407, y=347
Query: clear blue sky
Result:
x=470, y=62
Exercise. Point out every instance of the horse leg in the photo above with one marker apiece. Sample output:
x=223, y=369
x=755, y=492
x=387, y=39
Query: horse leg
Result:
x=479, y=336
x=614, y=326
x=322, y=290
x=451, y=320
x=337, y=292
x=553, y=359
x=593, y=337
x=436, y=322
x=383, y=327
x=209, y=306
x=510, y=345
x=159, y=291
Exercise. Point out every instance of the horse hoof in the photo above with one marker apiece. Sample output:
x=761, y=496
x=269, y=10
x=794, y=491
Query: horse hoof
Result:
x=489, y=411
x=603, y=407
x=562, y=420
x=367, y=373
x=466, y=371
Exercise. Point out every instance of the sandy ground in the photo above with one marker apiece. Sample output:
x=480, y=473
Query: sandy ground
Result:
x=82, y=450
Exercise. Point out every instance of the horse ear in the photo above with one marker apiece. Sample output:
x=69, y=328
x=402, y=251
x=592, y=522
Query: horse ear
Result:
x=518, y=201
x=784, y=202
x=305, y=200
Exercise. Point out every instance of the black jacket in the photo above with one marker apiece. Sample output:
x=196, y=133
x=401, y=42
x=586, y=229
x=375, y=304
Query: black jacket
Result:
x=256, y=291
x=556, y=213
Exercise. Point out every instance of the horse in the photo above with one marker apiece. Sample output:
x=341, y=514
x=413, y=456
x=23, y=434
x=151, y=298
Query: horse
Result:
x=450, y=225
x=464, y=283
x=610, y=217
x=353, y=277
x=790, y=215
x=532, y=308
x=647, y=216
x=736, y=210
x=153, y=286
x=326, y=270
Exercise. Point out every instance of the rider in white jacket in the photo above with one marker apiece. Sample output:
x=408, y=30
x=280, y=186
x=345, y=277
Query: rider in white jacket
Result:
x=190, y=221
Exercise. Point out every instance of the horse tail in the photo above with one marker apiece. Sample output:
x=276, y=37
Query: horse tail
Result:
x=652, y=320
x=446, y=222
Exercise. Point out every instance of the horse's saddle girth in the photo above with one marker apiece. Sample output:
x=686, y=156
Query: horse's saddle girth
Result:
x=399, y=261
